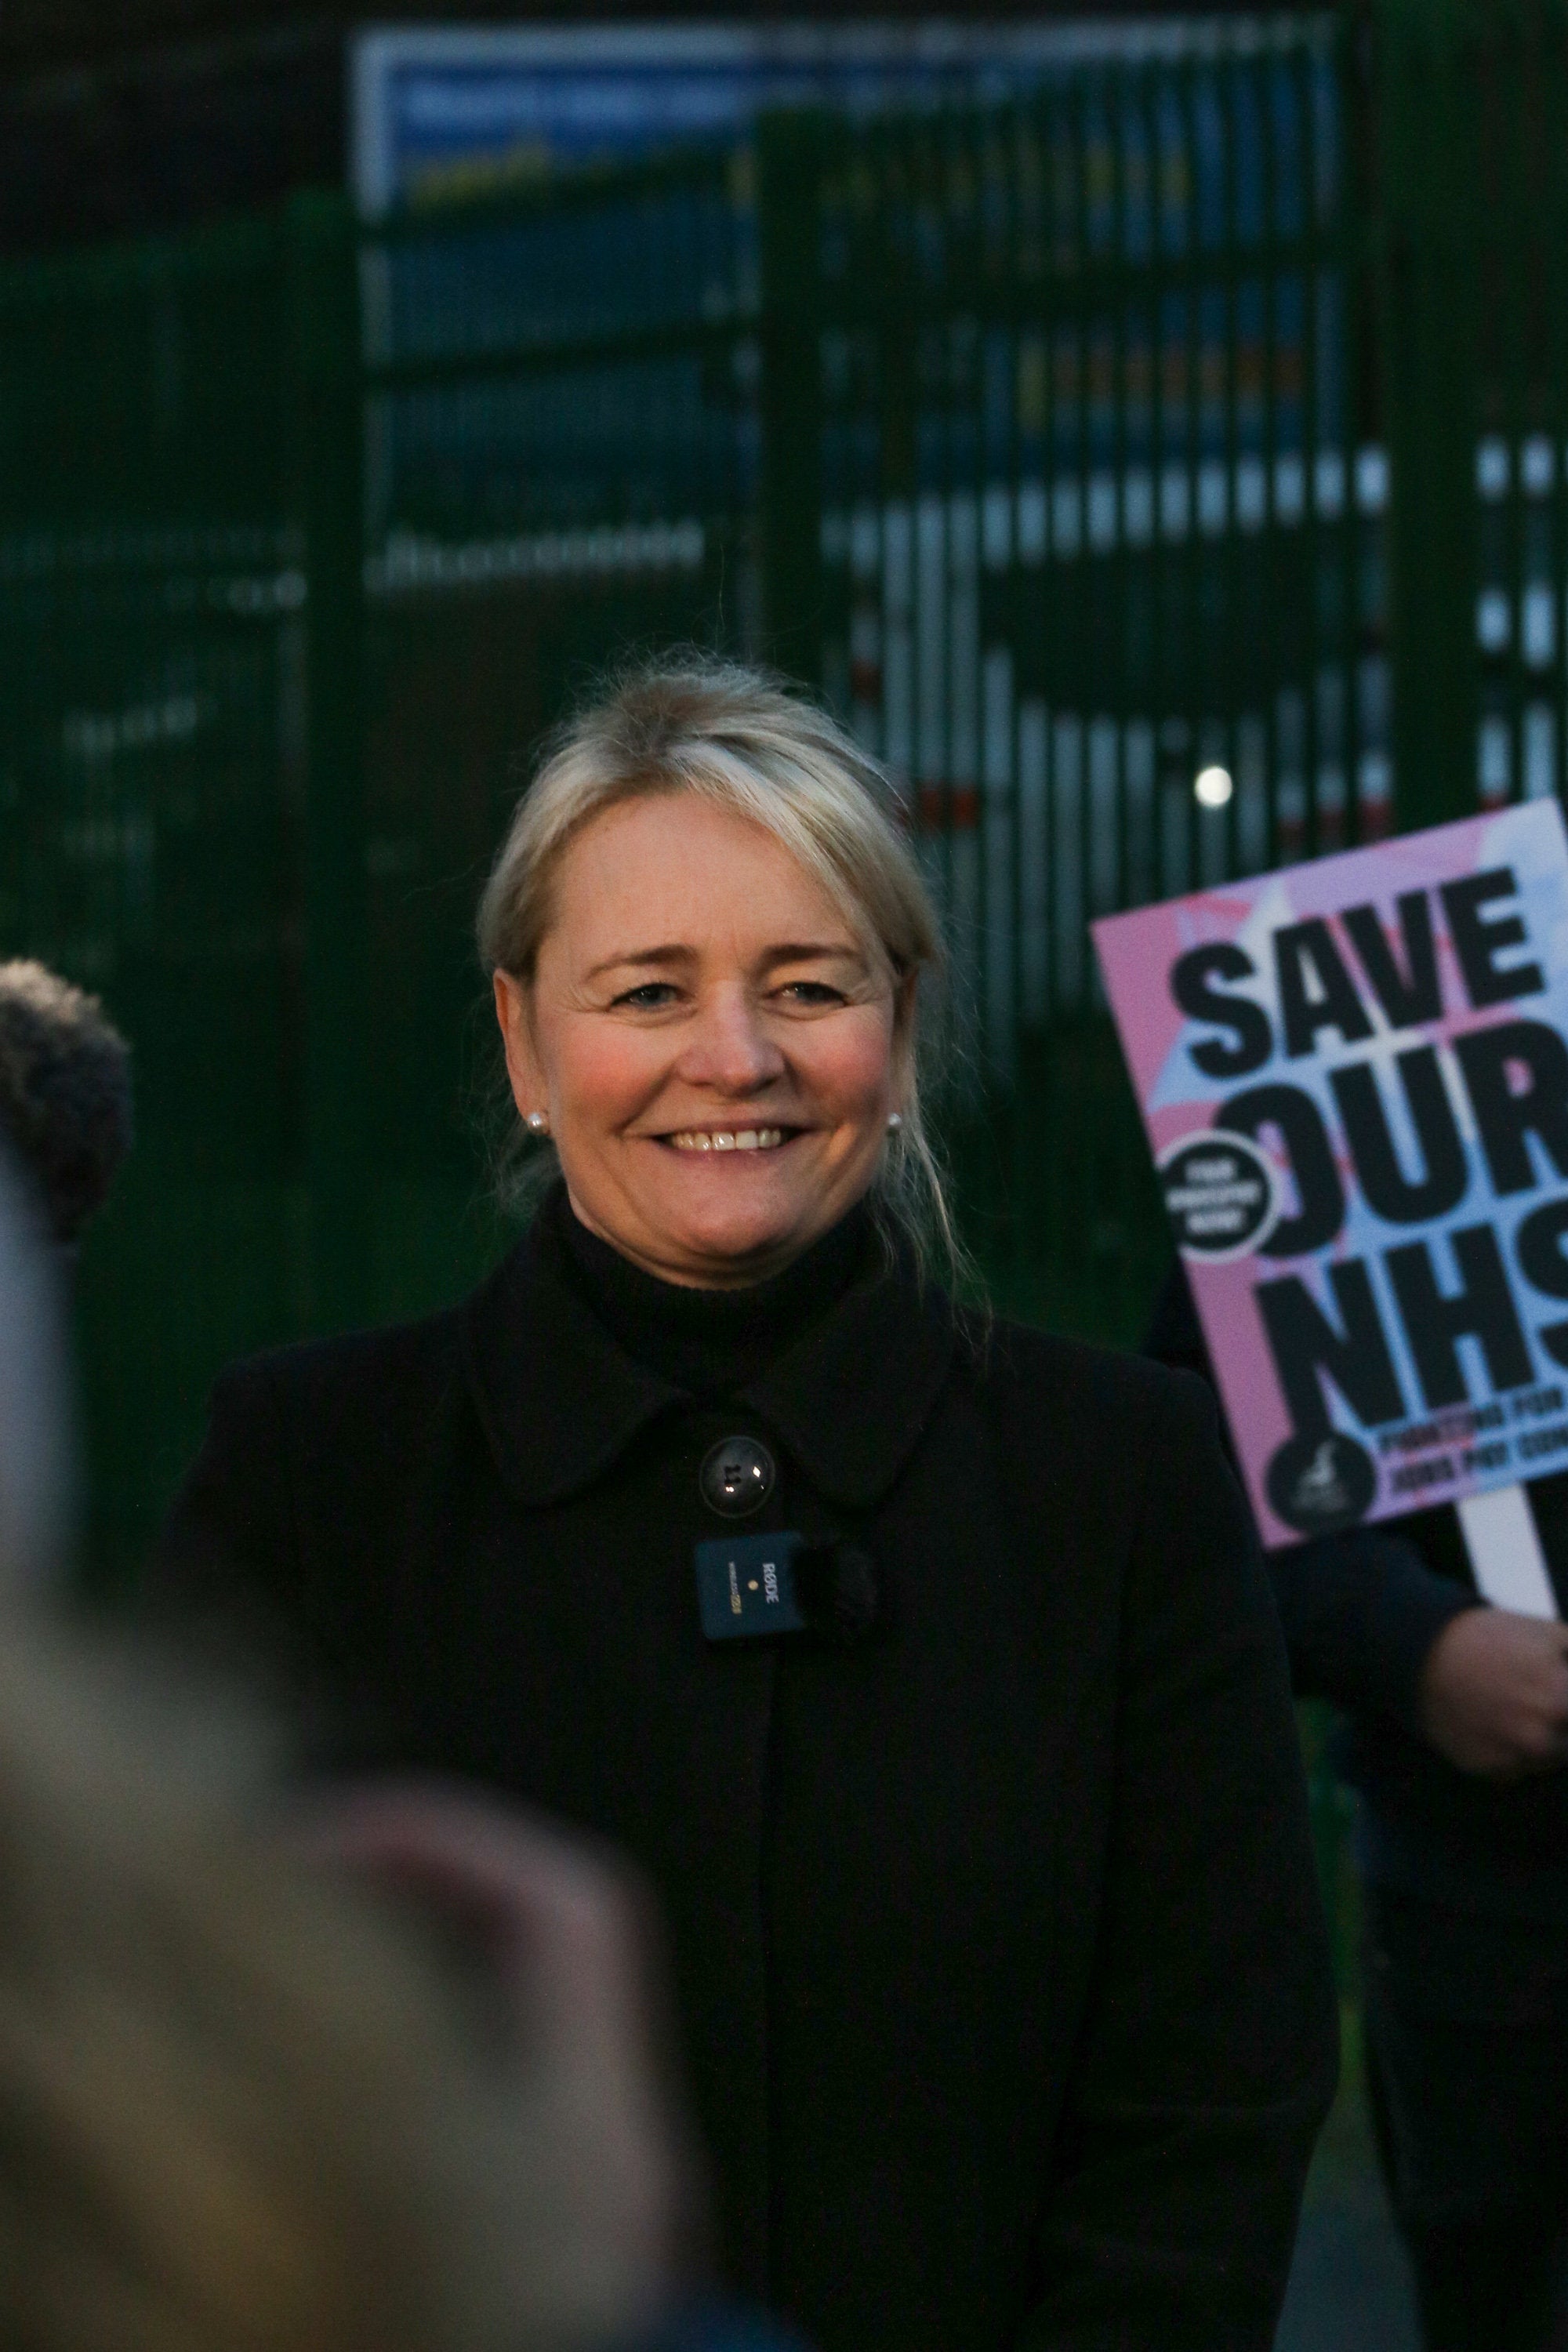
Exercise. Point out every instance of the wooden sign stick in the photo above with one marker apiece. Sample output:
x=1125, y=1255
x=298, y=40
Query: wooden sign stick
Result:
x=1506, y=1558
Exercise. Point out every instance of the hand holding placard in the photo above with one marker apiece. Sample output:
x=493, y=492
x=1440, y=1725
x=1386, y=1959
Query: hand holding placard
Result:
x=1494, y=1693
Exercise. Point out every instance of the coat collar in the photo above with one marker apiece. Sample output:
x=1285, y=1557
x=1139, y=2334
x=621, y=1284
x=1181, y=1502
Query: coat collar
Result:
x=560, y=1400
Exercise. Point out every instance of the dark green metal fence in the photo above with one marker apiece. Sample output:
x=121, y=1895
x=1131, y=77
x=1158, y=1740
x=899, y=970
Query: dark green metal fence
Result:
x=1196, y=420
x=1468, y=220
x=152, y=766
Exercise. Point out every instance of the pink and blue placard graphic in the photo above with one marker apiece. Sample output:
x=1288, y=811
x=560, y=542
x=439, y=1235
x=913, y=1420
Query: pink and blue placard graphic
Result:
x=1353, y=1075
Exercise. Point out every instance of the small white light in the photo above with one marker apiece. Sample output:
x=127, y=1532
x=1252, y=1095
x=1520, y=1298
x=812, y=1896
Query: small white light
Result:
x=1212, y=787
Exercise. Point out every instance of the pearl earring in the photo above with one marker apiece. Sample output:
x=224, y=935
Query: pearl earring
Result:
x=537, y=1123
x=895, y=1121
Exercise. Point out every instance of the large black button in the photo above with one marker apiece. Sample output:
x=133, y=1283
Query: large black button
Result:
x=737, y=1477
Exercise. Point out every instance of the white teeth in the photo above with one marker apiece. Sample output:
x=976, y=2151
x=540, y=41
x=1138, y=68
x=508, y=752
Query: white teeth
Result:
x=746, y=1138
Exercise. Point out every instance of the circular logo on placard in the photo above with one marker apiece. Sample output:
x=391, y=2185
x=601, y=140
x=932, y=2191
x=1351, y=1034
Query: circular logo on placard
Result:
x=1320, y=1484
x=1219, y=1194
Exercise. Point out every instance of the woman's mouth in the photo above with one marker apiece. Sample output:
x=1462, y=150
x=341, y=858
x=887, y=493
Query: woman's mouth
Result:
x=728, y=1139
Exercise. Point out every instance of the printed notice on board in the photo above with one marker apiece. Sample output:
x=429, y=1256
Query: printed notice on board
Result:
x=1354, y=1078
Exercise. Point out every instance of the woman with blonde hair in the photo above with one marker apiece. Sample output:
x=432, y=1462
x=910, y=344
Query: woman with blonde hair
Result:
x=922, y=1660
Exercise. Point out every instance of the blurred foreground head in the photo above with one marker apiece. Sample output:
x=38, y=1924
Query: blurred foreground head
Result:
x=65, y=1094
x=248, y=2105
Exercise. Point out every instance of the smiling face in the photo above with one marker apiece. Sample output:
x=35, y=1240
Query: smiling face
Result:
x=709, y=1040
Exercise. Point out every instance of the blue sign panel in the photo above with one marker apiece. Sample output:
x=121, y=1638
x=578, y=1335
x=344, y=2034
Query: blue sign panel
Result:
x=445, y=108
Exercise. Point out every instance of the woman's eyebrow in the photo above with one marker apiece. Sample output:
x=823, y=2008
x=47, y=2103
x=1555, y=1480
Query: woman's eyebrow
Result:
x=616, y=963
x=786, y=951
x=806, y=950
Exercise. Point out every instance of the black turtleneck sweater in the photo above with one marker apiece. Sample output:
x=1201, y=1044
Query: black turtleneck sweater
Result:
x=710, y=1343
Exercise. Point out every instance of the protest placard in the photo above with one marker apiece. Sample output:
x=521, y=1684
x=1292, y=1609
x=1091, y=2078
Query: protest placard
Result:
x=1353, y=1073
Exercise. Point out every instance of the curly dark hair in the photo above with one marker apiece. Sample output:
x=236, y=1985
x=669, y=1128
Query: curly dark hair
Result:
x=64, y=1092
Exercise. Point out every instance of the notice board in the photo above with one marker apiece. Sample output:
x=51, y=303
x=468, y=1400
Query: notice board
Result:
x=1353, y=1075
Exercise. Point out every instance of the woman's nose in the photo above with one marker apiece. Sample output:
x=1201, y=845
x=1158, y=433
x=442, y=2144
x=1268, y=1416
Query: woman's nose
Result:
x=728, y=1048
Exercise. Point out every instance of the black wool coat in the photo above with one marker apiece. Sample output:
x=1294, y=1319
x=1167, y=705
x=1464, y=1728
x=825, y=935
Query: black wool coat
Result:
x=999, y=1962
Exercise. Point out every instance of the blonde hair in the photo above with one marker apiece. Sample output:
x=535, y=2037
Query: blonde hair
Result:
x=744, y=742
x=237, y=2113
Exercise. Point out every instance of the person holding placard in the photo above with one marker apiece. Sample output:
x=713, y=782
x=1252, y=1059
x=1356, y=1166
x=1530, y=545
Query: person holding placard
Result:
x=1456, y=1743
x=1353, y=1073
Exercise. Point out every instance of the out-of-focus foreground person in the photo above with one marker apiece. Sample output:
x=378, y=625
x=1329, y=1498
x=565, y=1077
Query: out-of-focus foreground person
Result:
x=245, y=2108
x=924, y=1662
x=65, y=1094
x=1457, y=1744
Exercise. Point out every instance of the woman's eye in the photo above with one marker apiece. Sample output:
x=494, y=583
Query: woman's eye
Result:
x=649, y=998
x=811, y=992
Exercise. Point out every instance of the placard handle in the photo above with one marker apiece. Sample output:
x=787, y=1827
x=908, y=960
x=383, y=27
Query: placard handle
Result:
x=1506, y=1558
